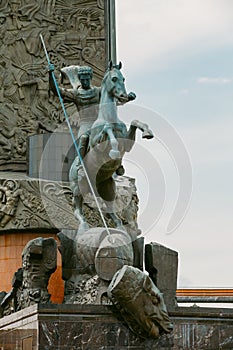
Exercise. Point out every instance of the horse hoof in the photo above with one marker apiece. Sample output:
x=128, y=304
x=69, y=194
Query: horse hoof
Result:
x=147, y=134
x=120, y=171
x=114, y=154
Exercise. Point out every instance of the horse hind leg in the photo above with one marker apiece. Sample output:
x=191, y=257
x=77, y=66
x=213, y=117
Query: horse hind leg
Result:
x=117, y=221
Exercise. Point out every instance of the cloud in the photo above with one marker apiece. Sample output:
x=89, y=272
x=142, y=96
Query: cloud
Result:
x=204, y=244
x=184, y=92
x=210, y=144
x=149, y=31
x=211, y=80
x=155, y=33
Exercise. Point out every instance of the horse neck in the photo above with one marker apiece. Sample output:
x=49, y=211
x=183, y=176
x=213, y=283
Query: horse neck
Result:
x=107, y=107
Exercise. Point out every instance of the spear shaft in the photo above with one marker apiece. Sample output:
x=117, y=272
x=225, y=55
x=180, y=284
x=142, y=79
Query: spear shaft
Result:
x=72, y=135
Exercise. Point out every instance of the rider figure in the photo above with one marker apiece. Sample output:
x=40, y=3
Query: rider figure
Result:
x=86, y=98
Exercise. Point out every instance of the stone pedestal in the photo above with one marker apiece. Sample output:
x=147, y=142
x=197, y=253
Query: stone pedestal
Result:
x=50, y=156
x=162, y=265
x=75, y=327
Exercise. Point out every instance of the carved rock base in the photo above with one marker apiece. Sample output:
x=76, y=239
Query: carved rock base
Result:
x=11, y=247
x=90, y=260
x=140, y=302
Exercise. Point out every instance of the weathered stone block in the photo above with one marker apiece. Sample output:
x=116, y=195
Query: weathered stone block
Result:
x=162, y=265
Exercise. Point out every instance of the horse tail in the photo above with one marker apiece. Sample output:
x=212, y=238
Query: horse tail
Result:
x=107, y=189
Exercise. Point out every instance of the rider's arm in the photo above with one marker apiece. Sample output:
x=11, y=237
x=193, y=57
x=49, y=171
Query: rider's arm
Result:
x=52, y=85
x=66, y=94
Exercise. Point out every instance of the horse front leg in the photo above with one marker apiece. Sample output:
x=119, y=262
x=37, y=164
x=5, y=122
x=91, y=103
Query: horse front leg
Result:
x=146, y=132
x=114, y=153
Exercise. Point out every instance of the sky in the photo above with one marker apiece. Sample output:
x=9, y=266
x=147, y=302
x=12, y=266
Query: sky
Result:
x=177, y=56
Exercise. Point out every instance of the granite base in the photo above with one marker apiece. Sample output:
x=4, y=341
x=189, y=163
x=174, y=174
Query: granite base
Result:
x=83, y=327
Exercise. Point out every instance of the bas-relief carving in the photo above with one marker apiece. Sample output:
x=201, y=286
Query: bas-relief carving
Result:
x=10, y=195
x=33, y=204
x=73, y=32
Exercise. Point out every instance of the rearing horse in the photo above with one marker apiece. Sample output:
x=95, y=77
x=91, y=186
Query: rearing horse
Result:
x=108, y=141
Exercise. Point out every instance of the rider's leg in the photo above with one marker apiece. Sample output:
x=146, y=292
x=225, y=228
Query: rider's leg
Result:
x=83, y=144
x=78, y=213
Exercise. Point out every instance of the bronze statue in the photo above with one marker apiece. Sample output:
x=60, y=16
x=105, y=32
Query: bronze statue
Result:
x=98, y=263
x=108, y=140
x=86, y=98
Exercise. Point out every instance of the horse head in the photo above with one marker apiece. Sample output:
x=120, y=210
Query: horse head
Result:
x=114, y=82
